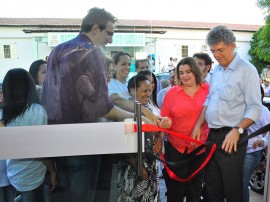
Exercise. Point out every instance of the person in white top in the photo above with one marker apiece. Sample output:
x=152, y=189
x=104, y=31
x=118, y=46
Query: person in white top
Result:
x=161, y=94
x=7, y=191
x=266, y=86
x=118, y=85
x=118, y=90
x=170, y=65
x=255, y=148
x=22, y=108
x=265, y=72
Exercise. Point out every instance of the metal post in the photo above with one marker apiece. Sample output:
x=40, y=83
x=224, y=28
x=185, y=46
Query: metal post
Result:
x=135, y=110
x=139, y=133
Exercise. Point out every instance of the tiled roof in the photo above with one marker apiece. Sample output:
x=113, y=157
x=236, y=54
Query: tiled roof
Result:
x=40, y=22
x=186, y=25
x=77, y=29
x=122, y=24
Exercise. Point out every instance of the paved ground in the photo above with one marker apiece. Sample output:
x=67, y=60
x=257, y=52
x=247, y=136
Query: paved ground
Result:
x=254, y=197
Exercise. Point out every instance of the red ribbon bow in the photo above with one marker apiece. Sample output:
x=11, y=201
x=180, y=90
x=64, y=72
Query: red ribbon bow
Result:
x=152, y=128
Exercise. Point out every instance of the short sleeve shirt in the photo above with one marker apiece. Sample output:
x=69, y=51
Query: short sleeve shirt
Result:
x=184, y=111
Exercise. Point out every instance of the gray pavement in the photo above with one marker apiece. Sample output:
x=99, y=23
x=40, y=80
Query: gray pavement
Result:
x=254, y=197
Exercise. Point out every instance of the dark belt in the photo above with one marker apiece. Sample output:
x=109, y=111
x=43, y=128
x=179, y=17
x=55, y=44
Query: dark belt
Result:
x=217, y=130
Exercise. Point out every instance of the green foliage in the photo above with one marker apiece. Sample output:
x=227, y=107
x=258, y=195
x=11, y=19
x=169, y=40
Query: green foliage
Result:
x=263, y=48
x=265, y=4
x=260, y=42
x=254, y=52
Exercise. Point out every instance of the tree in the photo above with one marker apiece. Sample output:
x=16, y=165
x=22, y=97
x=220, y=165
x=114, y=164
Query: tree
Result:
x=260, y=42
x=265, y=4
x=253, y=52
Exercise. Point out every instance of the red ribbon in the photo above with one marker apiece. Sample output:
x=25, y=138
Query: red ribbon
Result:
x=152, y=128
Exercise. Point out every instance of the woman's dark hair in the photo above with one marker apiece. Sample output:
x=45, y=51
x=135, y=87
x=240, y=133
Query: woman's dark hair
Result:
x=19, y=93
x=116, y=59
x=34, y=69
x=154, y=93
x=96, y=16
x=194, y=68
x=135, y=81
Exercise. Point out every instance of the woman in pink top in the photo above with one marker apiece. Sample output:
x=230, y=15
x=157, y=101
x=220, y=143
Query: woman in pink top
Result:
x=183, y=104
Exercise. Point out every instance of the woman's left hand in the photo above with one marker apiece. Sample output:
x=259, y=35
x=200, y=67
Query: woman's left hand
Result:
x=196, y=134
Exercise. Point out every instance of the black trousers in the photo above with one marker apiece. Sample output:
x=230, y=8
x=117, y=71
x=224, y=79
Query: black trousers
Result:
x=102, y=193
x=176, y=191
x=224, y=172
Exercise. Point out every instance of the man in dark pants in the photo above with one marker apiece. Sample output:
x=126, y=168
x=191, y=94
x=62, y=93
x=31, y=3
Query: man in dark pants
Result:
x=233, y=104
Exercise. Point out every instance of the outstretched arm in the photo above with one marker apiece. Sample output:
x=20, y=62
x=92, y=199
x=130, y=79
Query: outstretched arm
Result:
x=128, y=105
x=118, y=114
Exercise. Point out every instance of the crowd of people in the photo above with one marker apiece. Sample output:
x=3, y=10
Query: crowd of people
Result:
x=82, y=85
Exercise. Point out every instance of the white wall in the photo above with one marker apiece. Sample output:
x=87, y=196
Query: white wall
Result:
x=163, y=45
x=26, y=49
x=169, y=44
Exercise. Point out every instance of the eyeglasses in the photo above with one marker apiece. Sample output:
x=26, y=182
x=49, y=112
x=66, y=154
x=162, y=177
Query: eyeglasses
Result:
x=220, y=51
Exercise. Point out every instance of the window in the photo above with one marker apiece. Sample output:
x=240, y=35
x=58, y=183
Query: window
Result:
x=7, y=52
x=184, y=51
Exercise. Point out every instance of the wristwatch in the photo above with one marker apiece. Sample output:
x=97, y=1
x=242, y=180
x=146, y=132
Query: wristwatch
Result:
x=240, y=130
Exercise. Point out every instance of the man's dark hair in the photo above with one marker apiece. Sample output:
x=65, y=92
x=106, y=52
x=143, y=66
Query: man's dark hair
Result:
x=204, y=56
x=138, y=61
x=96, y=16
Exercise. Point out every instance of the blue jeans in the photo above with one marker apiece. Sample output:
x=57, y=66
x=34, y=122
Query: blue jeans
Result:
x=77, y=178
x=33, y=195
x=250, y=163
x=7, y=193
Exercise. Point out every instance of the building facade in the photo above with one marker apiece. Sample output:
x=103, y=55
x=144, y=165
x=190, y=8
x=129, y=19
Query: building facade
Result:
x=23, y=40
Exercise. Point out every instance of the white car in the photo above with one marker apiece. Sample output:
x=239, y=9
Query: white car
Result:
x=266, y=101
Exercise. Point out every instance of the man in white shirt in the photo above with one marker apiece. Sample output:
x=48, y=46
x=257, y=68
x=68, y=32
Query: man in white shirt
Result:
x=265, y=72
x=162, y=93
